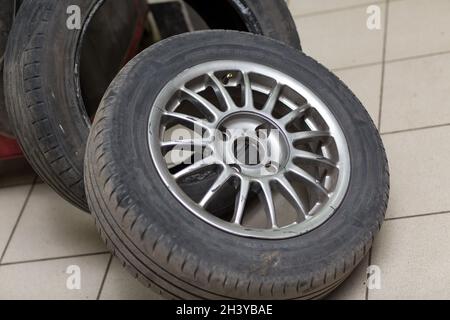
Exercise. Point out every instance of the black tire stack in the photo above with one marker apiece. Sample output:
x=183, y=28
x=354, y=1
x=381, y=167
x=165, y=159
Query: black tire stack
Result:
x=49, y=104
x=55, y=79
x=7, y=11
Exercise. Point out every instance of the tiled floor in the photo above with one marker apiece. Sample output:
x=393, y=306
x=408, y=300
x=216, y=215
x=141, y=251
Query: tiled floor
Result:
x=402, y=75
x=400, y=72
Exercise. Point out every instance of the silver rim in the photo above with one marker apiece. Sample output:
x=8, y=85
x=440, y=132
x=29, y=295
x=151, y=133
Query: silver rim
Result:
x=269, y=143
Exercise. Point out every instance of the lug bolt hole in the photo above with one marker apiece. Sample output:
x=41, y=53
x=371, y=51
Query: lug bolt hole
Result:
x=272, y=167
x=236, y=167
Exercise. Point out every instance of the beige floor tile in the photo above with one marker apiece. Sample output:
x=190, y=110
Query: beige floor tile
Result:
x=416, y=93
x=365, y=82
x=354, y=288
x=302, y=7
x=120, y=285
x=418, y=27
x=341, y=39
x=48, y=279
x=420, y=179
x=414, y=258
x=51, y=227
x=11, y=202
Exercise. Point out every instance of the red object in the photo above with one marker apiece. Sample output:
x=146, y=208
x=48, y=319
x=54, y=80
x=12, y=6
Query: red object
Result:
x=9, y=149
x=133, y=48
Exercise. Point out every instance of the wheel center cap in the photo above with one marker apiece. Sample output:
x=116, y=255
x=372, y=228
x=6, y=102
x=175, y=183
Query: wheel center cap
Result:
x=254, y=145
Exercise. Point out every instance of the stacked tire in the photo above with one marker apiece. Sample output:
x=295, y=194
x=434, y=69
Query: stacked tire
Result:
x=7, y=11
x=52, y=92
x=215, y=223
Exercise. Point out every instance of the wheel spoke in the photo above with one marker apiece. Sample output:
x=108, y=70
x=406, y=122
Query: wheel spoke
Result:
x=300, y=154
x=188, y=119
x=289, y=192
x=309, y=135
x=222, y=92
x=215, y=188
x=198, y=100
x=241, y=201
x=273, y=99
x=305, y=176
x=294, y=114
x=248, y=91
x=269, y=205
x=206, y=162
x=249, y=130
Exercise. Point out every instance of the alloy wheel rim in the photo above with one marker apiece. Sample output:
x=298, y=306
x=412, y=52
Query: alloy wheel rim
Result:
x=260, y=133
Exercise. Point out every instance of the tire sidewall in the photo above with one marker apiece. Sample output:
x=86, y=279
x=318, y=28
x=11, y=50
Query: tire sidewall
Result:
x=6, y=19
x=57, y=58
x=271, y=18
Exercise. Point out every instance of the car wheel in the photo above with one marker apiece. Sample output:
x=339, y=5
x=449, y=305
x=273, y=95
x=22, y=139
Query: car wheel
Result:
x=319, y=173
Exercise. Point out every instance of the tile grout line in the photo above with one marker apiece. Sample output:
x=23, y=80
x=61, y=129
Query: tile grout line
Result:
x=318, y=13
x=419, y=56
x=389, y=61
x=54, y=258
x=416, y=129
x=439, y=213
x=108, y=266
x=383, y=65
x=356, y=66
x=22, y=209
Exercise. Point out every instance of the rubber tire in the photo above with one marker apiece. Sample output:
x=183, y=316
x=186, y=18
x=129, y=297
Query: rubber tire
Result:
x=181, y=256
x=6, y=19
x=271, y=18
x=43, y=99
x=43, y=102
